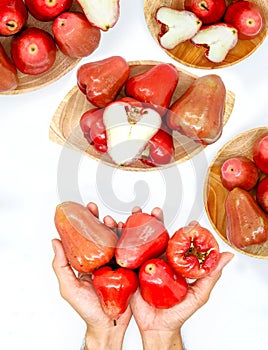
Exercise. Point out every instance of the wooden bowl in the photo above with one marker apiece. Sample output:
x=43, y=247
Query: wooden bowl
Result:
x=215, y=194
x=65, y=128
x=62, y=65
x=193, y=56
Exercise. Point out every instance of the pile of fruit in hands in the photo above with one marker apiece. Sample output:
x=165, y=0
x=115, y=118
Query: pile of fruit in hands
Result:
x=247, y=200
x=139, y=125
x=143, y=256
x=210, y=23
x=33, y=50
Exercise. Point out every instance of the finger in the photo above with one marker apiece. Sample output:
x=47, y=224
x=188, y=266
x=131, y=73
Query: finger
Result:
x=136, y=209
x=93, y=208
x=109, y=221
x=158, y=213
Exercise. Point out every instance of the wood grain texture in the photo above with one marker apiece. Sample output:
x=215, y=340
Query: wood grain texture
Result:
x=215, y=194
x=193, y=56
x=65, y=129
x=62, y=65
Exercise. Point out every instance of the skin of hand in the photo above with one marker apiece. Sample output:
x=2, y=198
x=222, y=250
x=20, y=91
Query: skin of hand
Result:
x=160, y=328
x=79, y=292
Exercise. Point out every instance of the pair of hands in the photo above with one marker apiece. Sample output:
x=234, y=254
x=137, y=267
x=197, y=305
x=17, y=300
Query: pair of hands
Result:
x=160, y=328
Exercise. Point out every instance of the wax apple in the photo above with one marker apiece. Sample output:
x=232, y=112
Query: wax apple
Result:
x=13, y=16
x=240, y=172
x=47, y=10
x=8, y=72
x=208, y=11
x=101, y=14
x=74, y=35
x=246, y=223
x=102, y=80
x=219, y=39
x=33, y=51
x=262, y=194
x=260, y=153
x=247, y=17
x=177, y=26
x=192, y=251
x=160, y=286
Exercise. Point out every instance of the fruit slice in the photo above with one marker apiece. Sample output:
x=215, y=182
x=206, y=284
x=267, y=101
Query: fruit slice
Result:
x=220, y=38
x=103, y=14
x=177, y=26
x=128, y=129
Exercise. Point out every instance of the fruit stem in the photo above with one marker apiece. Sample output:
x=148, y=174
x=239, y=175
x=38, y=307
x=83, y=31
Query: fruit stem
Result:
x=203, y=5
x=115, y=324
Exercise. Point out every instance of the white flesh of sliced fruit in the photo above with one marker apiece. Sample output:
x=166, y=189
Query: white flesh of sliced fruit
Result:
x=181, y=26
x=127, y=140
x=219, y=38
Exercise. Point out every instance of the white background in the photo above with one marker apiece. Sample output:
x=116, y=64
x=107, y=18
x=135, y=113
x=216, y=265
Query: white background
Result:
x=33, y=315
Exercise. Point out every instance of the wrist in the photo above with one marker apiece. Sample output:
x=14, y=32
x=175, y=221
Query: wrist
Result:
x=162, y=340
x=104, y=339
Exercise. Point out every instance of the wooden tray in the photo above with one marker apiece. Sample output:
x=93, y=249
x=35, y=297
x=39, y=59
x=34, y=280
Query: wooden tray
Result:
x=215, y=194
x=65, y=129
x=193, y=56
x=62, y=65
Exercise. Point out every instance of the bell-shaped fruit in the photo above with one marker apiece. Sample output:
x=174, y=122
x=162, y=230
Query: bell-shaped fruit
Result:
x=262, y=194
x=143, y=237
x=102, y=80
x=160, y=286
x=74, y=35
x=8, y=72
x=198, y=113
x=260, y=153
x=87, y=242
x=13, y=16
x=246, y=223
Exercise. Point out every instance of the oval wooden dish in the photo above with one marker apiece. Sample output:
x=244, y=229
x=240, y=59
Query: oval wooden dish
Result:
x=62, y=65
x=215, y=194
x=65, y=129
x=193, y=56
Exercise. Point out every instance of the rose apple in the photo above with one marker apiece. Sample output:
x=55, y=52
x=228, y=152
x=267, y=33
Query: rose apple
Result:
x=160, y=286
x=247, y=17
x=192, y=251
x=33, y=51
x=240, y=172
x=8, y=72
x=260, y=153
x=13, y=16
x=74, y=35
x=208, y=11
x=262, y=194
x=47, y=10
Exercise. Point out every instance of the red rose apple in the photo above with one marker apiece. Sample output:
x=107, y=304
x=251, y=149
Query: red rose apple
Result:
x=260, y=153
x=262, y=194
x=33, y=51
x=8, y=72
x=47, y=10
x=208, y=11
x=13, y=16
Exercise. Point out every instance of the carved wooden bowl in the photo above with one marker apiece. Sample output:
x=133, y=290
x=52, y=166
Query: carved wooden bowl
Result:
x=65, y=129
x=215, y=194
x=193, y=56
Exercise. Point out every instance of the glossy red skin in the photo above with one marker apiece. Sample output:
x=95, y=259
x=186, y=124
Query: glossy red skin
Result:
x=260, y=153
x=240, y=172
x=239, y=13
x=8, y=72
x=246, y=223
x=74, y=35
x=208, y=11
x=262, y=194
x=181, y=257
x=114, y=289
x=160, y=149
x=88, y=243
x=47, y=10
x=143, y=237
x=160, y=286
x=155, y=86
x=13, y=16
x=101, y=81
x=33, y=51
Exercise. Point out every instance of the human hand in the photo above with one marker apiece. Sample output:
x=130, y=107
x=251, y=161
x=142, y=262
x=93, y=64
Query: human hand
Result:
x=79, y=292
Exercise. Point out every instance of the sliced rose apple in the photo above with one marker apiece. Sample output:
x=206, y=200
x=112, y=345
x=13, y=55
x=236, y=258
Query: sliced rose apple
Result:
x=220, y=38
x=128, y=130
x=102, y=14
x=177, y=26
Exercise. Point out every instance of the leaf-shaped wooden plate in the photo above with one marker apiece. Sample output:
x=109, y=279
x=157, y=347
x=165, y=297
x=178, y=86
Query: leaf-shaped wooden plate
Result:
x=193, y=56
x=65, y=128
x=215, y=194
x=62, y=65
